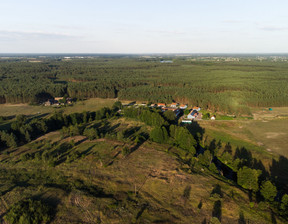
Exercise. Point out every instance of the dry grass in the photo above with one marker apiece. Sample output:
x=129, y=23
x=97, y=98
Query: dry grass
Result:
x=268, y=135
x=87, y=105
x=15, y=109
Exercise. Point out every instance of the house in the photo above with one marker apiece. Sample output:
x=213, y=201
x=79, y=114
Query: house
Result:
x=197, y=108
x=174, y=105
x=183, y=106
x=213, y=117
x=186, y=121
x=58, y=98
x=153, y=105
x=49, y=102
x=69, y=100
x=193, y=114
x=161, y=105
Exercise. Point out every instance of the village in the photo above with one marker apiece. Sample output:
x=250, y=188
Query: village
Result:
x=59, y=101
x=181, y=111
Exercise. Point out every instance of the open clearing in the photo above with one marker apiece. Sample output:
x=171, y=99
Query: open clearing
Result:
x=268, y=135
x=87, y=105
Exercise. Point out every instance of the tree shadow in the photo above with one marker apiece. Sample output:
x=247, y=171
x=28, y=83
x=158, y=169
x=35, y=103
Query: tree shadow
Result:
x=141, y=211
x=217, y=191
x=196, y=130
x=131, y=131
x=257, y=164
x=241, y=219
x=279, y=170
x=217, y=210
x=245, y=156
x=52, y=202
x=228, y=148
x=87, y=151
x=273, y=218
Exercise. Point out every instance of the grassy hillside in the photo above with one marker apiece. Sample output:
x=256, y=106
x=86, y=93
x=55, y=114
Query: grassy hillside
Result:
x=95, y=181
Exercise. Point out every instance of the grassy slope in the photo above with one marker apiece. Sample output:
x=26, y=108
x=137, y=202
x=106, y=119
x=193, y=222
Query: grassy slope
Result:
x=156, y=176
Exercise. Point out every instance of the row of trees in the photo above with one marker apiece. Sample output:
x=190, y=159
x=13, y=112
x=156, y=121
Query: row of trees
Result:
x=23, y=130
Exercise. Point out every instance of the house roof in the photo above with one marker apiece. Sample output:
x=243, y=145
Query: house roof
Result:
x=161, y=104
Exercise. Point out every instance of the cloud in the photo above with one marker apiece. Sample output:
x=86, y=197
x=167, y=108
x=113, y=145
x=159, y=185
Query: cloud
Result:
x=273, y=28
x=233, y=21
x=167, y=32
x=33, y=35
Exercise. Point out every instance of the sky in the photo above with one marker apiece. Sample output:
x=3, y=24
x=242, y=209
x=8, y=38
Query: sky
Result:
x=150, y=26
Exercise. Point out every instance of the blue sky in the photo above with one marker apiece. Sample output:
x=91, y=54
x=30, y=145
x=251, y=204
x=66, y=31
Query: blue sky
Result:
x=126, y=26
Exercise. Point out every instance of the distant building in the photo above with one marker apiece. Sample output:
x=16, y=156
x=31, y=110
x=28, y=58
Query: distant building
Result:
x=161, y=105
x=193, y=114
x=186, y=121
x=58, y=98
x=197, y=108
x=183, y=106
x=166, y=61
x=49, y=102
x=213, y=117
x=174, y=105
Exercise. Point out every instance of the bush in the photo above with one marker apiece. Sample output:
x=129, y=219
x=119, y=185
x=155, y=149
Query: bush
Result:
x=28, y=211
x=126, y=151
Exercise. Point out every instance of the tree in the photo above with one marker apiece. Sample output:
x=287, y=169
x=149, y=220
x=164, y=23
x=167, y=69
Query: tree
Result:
x=206, y=116
x=116, y=106
x=9, y=139
x=29, y=211
x=91, y=133
x=248, y=178
x=186, y=111
x=159, y=135
x=284, y=205
x=185, y=140
x=170, y=116
x=268, y=191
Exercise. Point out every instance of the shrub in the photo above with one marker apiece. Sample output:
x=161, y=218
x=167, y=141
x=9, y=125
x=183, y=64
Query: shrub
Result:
x=28, y=211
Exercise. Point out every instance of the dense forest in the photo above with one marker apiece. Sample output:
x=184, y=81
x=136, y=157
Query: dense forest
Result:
x=230, y=87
